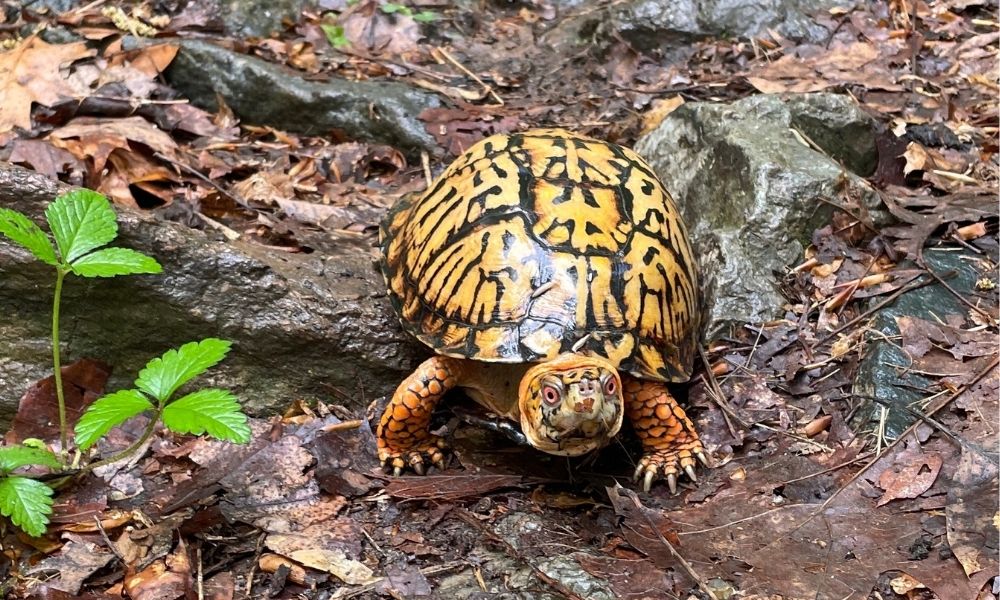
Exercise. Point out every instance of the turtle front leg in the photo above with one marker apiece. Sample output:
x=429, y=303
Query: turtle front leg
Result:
x=669, y=440
x=403, y=434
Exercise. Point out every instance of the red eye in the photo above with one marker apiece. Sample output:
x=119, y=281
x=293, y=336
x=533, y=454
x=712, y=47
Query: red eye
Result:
x=610, y=386
x=550, y=395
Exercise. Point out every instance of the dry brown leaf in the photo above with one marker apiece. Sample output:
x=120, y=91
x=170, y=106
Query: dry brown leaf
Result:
x=659, y=111
x=31, y=73
x=912, y=474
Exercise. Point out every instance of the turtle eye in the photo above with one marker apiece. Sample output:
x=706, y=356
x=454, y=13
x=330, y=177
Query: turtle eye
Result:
x=551, y=395
x=610, y=387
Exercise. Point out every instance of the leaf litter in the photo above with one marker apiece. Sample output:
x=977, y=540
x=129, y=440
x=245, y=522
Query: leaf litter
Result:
x=799, y=502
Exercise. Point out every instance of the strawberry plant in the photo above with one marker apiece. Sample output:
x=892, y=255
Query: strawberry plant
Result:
x=82, y=223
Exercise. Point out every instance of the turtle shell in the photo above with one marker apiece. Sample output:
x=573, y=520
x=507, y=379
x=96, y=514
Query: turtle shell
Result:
x=537, y=243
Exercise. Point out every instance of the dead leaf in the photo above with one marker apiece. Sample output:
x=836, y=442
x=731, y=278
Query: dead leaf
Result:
x=971, y=513
x=335, y=563
x=31, y=72
x=38, y=414
x=659, y=111
x=41, y=156
x=912, y=474
x=77, y=560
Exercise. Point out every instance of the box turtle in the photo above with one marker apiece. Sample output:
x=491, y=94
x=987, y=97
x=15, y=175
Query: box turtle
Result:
x=553, y=277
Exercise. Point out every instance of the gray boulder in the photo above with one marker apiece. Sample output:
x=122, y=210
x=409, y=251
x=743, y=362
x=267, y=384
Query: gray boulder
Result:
x=658, y=24
x=750, y=189
x=303, y=326
x=261, y=93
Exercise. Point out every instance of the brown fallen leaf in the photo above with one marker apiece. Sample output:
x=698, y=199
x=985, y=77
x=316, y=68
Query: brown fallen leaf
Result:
x=971, y=513
x=38, y=414
x=42, y=156
x=912, y=474
x=31, y=72
x=77, y=560
x=164, y=579
x=450, y=487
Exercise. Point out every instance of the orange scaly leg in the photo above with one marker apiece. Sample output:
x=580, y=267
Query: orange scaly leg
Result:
x=669, y=441
x=403, y=434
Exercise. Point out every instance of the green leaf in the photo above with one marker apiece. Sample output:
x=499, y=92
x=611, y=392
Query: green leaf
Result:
x=15, y=457
x=391, y=7
x=335, y=35
x=110, y=262
x=19, y=229
x=425, y=16
x=80, y=221
x=213, y=411
x=161, y=376
x=27, y=503
x=107, y=412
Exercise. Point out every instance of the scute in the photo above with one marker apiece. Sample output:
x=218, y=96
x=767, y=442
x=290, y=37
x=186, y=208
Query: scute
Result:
x=532, y=244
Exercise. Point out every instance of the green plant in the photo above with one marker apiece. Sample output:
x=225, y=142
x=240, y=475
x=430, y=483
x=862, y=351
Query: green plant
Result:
x=25, y=501
x=424, y=16
x=335, y=35
x=81, y=221
x=213, y=411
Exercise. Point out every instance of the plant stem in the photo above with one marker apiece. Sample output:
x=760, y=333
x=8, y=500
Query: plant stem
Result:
x=153, y=420
x=60, y=398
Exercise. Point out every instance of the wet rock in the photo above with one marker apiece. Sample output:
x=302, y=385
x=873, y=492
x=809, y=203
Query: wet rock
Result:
x=261, y=93
x=878, y=376
x=663, y=24
x=303, y=326
x=258, y=18
x=750, y=190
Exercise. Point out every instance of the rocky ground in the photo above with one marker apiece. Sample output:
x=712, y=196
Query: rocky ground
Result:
x=836, y=163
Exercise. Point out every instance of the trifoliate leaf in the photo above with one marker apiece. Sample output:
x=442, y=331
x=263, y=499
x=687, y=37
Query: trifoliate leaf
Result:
x=162, y=376
x=107, y=412
x=14, y=457
x=27, y=503
x=211, y=411
x=19, y=229
x=80, y=221
x=110, y=262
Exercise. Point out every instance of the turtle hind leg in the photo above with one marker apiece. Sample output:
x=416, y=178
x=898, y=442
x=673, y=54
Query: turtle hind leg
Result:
x=403, y=434
x=670, y=443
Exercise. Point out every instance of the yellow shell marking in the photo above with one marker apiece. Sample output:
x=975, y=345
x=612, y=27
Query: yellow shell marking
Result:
x=530, y=242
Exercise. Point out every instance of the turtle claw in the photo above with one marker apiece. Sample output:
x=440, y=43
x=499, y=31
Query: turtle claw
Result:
x=429, y=451
x=690, y=473
x=702, y=459
x=671, y=483
x=647, y=481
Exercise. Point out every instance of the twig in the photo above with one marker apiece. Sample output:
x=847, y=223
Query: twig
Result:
x=555, y=584
x=111, y=545
x=673, y=551
x=892, y=298
x=425, y=161
x=461, y=67
x=830, y=470
x=195, y=172
x=963, y=299
x=718, y=396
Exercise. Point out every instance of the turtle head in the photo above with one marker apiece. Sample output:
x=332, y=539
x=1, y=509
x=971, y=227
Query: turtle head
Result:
x=571, y=405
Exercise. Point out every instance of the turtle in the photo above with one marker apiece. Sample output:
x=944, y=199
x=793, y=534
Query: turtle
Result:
x=553, y=278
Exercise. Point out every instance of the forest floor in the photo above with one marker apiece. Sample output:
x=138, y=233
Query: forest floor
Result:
x=804, y=500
